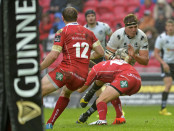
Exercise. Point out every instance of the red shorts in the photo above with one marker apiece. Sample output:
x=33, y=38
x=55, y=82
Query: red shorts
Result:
x=127, y=83
x=59, y=78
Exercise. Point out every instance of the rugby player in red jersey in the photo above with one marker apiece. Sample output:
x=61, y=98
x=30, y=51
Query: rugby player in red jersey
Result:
x=76, y=43
x=122, y=77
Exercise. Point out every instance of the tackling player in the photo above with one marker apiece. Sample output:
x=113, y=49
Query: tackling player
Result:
x=76, y=43
x=130, y=38
x=123, y=79
x=165, y=42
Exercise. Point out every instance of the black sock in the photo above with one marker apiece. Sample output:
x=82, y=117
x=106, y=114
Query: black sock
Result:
x=91, y=92
x=164, y=100
x=92, y=109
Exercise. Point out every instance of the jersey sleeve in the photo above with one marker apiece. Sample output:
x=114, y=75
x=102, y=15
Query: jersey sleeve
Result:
x=108, y=29
x=91, y=76
x=114, y=41
x=144, y=42
x=158, y=43
x=58, y=41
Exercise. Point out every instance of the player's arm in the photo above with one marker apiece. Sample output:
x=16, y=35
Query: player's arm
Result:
x=109, y=53
x=98, y=51
x=50, y=58
x=56, y=49
x=143, y=56
x=90, y=79
x=163, y=63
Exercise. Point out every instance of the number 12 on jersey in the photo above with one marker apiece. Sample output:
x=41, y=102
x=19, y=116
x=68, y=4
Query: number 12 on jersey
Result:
x=78, y=47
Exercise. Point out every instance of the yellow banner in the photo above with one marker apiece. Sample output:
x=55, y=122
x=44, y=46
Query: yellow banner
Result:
x=154, y=89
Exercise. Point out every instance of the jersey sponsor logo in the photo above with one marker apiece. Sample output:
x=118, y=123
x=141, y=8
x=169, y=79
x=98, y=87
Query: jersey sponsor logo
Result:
x=59, y=76
x=57, y=38
x=123, y=84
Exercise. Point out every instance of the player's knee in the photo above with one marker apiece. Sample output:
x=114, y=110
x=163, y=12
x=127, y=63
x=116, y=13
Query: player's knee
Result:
x=101, y=100
x=65, y=93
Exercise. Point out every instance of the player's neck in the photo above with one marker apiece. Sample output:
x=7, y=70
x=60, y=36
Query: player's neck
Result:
x=92, y=25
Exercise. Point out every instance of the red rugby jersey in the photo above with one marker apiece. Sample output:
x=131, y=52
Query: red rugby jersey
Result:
x=76, y=43
x=106, y=71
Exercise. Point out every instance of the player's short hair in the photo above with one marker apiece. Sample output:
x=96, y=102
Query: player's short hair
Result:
x=89, y=12
x=70, y=14
x=130, y=19
x=170, y=21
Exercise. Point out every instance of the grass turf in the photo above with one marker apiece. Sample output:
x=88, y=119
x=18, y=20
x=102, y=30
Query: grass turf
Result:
x=138, y=118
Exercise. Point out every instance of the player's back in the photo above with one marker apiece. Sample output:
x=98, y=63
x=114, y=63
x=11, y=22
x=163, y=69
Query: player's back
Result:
x=107, y=70
x=78, y=43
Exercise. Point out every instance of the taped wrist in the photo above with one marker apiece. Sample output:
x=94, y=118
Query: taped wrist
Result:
x=109, y=54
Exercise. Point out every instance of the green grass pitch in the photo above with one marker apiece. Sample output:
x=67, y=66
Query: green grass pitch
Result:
x=138, y=118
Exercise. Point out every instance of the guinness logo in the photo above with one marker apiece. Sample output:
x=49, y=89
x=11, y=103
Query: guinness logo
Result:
x=27, y=111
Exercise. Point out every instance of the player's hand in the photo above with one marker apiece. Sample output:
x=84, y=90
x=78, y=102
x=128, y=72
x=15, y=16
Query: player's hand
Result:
x=131, y=50
x=166, y=67
x=82, y=89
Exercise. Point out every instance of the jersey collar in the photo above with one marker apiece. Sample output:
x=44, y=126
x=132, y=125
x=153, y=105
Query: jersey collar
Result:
x=73, y=23
x=129, y=36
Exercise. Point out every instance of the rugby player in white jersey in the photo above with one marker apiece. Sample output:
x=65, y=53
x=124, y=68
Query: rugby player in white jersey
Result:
x=131, y=38
x=100, y=29
x=165, y=42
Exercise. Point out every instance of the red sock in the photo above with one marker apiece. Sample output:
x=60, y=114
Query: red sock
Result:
x=59, y=108
x=102, y=110
x=117, y=105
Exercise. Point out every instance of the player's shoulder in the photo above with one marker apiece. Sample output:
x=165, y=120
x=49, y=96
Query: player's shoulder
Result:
x=141, y=35
x=119, y=33
x=162, y=35
x=60, y=31
x=102, y=24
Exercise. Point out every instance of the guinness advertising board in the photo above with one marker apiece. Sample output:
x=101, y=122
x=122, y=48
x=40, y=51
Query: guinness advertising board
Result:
x=21, y=58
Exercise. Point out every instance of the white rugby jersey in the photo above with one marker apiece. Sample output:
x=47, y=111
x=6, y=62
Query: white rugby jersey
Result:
x=101, y=30
x=166, y=43
x=119, y=39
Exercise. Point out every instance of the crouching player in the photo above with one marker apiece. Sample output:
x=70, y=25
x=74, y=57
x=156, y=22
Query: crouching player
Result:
x=123, y=79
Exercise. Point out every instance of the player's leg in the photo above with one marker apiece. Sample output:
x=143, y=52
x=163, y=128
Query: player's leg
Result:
x=60, y=106
x=119, y=113
x=47, y=86
x=167, y=84
x=89, y=94
x=107, y=95
x=84, y=116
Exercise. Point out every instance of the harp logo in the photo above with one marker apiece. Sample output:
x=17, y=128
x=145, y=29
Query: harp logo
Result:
x=27, y=111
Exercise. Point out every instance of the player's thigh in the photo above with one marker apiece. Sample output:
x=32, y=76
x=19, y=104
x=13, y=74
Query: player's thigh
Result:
x=47, y=86
x=65, y=92
x=108, y=95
